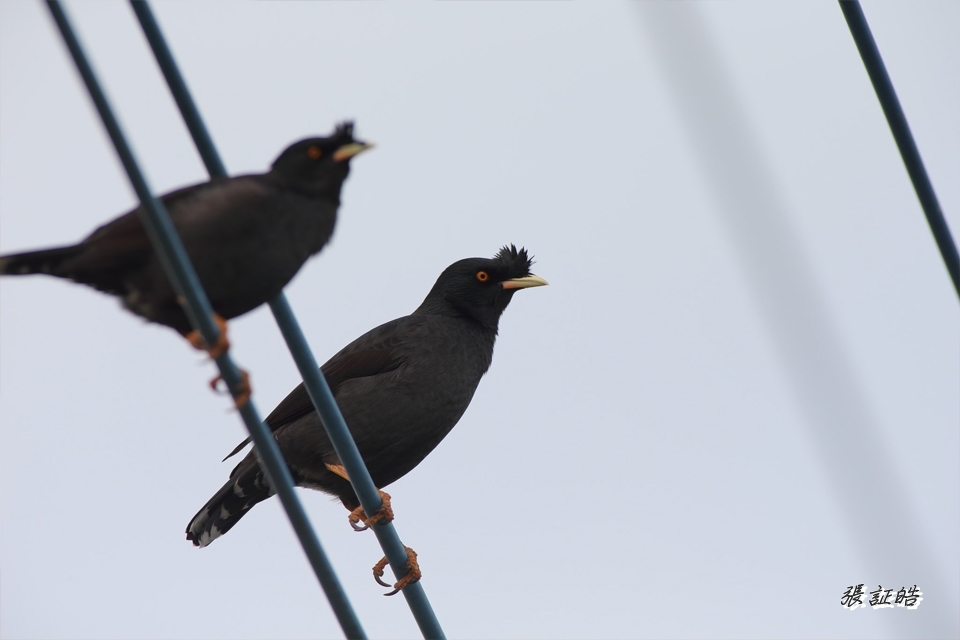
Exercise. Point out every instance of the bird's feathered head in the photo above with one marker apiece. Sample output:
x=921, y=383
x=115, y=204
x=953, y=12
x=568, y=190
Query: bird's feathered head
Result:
x=319, y=164
x=481, y=288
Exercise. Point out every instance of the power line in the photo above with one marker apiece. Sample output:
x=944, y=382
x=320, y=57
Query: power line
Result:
x=877, y=71
x=177, y=265
x=316, y=385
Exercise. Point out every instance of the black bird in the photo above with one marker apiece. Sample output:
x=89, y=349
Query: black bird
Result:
x=401, y=387
x=247, y=237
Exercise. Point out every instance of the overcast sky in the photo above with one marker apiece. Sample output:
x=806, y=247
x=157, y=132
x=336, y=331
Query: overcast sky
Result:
x=739, y=395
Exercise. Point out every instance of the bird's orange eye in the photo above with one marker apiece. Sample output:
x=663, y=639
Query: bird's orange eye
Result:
x=483, y=276
x=314, y=153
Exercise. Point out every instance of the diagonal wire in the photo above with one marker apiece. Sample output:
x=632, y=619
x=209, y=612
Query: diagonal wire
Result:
x=316, y=385
x=877, y=71
x=839, y=420
x=177, y=265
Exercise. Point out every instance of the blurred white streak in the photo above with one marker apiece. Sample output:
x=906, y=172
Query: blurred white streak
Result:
x=757, y=220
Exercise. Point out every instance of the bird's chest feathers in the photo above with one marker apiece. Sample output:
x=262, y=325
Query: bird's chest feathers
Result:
x=248, y=264
x=417, y=404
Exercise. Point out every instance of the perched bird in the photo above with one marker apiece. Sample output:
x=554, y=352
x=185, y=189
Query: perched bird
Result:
x=401, y=388
x=246, y=237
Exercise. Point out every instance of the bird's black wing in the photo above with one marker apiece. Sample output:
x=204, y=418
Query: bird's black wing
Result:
x=373, y=353
x=114, y=248
x=221, y=208
x=103, y=258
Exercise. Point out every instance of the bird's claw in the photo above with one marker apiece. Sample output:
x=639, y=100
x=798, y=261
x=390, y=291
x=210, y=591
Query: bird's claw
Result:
x=385, y=513
x=412, y=576
x=378, y=573
x=195, y=338
x=243, y=393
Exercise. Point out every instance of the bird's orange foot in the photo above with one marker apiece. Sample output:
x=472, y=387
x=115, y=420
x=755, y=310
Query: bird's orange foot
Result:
x=384, y=513
x=412, y=576
x=195, y=338
x=243, y=393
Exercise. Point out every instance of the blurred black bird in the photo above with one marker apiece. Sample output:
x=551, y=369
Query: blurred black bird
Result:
x=246, y=236
x=401, y=387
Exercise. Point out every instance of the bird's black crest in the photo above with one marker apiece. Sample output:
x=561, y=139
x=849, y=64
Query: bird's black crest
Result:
x=515, y=260
x=344, y=130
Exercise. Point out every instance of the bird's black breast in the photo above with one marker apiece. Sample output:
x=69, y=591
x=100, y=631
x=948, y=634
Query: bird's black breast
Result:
x=400, y=416
x=259, y=246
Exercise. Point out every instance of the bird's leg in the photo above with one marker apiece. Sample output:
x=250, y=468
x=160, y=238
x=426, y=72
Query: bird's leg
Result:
x=413, y=574
x=243, y=395
x=385, y=512
x=339, y=470
x=196, y=339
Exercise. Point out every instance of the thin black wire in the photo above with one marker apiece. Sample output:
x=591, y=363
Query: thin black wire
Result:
x=756, y=216
x=316, y=386
x=168, y=246
x=870, y=54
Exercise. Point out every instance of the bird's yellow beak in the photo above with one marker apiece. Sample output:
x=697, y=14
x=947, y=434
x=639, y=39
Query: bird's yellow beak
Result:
x=524, y=283
x=347, y=151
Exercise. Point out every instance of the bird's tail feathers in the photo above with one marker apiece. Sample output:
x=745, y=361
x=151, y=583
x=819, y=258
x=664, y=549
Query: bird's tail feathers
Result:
x=247, y=486
x=30, y=262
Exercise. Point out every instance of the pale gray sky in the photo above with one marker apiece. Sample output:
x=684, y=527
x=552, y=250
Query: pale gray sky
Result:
x=652, y=453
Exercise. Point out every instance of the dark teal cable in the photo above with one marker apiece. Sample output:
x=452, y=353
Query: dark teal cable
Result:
x=167, y=244
x=901, y=133
x=316, y=385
